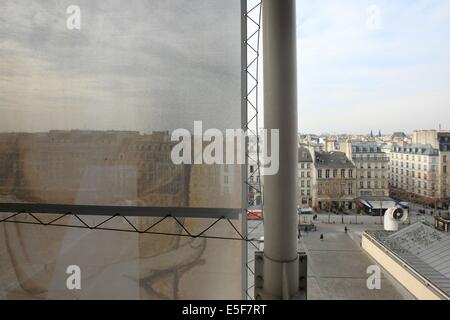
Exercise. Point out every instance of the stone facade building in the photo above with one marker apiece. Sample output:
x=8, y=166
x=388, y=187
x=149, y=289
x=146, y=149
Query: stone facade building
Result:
x=414, y=172
x=372, y=168
x=420, y=171
x=305, y=178
x=334, y=185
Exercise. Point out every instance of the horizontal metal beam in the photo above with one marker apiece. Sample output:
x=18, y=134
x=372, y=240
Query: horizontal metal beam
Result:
x=130, y=211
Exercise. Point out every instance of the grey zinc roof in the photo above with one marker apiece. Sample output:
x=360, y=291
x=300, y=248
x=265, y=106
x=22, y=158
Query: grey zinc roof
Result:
x=425, y=249
x=333, y=159
x=304, y=155
x=399, y=135
x=365, y=147
x=444, y=141
x=425, y=149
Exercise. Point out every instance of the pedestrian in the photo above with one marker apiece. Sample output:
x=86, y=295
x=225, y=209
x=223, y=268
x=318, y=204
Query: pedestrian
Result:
x=321, y=236
x=345, y=229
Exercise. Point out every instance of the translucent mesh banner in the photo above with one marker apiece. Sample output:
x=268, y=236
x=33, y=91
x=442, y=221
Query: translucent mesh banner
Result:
x=90, y=95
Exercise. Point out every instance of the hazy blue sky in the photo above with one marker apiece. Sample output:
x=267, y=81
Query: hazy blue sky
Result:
x=159, y=64
x=354, y=77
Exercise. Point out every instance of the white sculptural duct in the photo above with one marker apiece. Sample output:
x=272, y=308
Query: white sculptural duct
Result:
x=393, y=217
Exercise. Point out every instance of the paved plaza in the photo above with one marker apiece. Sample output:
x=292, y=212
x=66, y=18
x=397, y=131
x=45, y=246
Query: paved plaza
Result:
x=337, y=266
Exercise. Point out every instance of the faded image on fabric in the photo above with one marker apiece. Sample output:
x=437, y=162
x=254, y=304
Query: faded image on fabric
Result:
x=86, y=116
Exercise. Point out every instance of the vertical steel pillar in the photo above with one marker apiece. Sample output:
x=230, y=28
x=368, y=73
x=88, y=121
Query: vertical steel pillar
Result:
x=281, y=261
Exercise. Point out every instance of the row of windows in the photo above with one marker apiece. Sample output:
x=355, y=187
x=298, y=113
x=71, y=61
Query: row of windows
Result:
x=414, y=182
x=335, y=190
x=305, y=165
x=304, y=174
x=374, y=174
x=410, y=173
x=373, y=157
x=410, y=157
x=415, y=190
x=363, y=165
x=308, y=183
x=375, y=185
x=413, y=166
x=335, y=172
x=305, y=192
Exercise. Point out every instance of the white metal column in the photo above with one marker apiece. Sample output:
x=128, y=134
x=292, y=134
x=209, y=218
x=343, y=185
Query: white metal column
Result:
x=281, y=261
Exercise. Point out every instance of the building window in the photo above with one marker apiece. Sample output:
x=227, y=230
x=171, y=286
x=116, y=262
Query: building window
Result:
x=334, y=173
x=327, y=173
x=350, y=173
x=342, y=173
x=319, y=173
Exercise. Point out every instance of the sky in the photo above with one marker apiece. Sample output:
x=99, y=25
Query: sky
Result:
x=159, y=65
x=357, y=73
x=144, y=65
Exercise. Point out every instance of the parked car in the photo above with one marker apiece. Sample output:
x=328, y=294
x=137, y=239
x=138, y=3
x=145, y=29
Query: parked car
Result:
x=255, y=215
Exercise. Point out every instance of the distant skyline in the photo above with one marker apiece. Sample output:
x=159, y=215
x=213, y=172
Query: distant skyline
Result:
x=356, y=75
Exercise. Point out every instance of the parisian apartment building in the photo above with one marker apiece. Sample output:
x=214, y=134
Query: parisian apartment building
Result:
x=327, y=180
x=305, y=178
x=419, y=170
x=372, y=167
